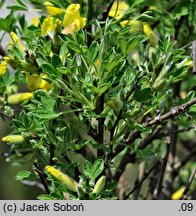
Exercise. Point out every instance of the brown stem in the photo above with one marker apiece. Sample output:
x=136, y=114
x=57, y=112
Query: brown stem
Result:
x=186, y=190
x=174, y=112
x=162, y=174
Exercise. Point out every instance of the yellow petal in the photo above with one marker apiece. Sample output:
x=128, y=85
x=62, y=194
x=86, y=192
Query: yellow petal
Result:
x=147, y=29
x=52, y=10
x=47, y=25
x=35, y=21
x=177, y=195
x=72, y=21
x=3, y=68
x=118, y=9
x=16, y=40
x=37, y=82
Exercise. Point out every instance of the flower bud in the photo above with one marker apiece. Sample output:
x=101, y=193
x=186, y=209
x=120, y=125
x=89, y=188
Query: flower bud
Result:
x=37, y=82
x=19, y=98
x=13, y=139
x=99, y=185
x=3, y=68
x=147, y=29
x=177, y=195
x=65, y=179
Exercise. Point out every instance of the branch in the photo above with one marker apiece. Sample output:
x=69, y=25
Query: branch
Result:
x=174, y=112
x=162, y=174
x=89, y=27
x=194, y=55
x=42, y=177
x=186, y=190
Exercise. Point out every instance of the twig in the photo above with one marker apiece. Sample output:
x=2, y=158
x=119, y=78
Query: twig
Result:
x=186, y=190
x=89, y=27
x=42, y=177
x=143, y=179
x=194, y=55
x=105, y=14
x=162, y=174
x=178, y=27
x=174, y=112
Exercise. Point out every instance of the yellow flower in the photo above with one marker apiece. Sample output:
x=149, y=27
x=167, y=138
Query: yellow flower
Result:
x=72, y=21
x=136, y=25
x=19, y=98
x=177, y=195
x=150, y=34
x=35, y=21
x=37, y=82
x=13, y=139
x=3, y=68
x=16, y=40
x=47, y=26
x=52, y=10
x=189, y=63
x=10, y=60
x=147, y=28
x=118, y=9
x=65, y=179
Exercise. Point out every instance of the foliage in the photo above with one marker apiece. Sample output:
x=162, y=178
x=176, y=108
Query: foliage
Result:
x=98, y=77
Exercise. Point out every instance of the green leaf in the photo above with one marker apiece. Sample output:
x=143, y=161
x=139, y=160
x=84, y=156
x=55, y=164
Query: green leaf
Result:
x=25, y=175
x=46, y=197
x=142, y=128
x=41, y=113
x=145, y=153
x=143, y=94
x=56, y=61
x=180, y=11
x=17, y=8
x=87, y=168
x=97, y=168
x=48, y=102
x=49, y=69
x=5, y=23
x=92, y=171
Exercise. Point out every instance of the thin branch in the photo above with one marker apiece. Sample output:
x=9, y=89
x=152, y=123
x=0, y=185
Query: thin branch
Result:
x=162, y=174
x=89, y=27
x=186, y=190
x=143, y=179
x=174, y=112
x=194, y=55
x=105, y=14
x=42, y=177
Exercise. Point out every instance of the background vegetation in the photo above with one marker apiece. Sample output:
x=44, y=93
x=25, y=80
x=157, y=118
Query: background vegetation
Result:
x=101, y=104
